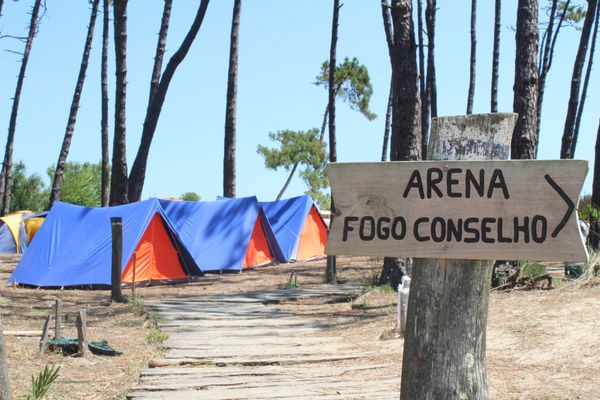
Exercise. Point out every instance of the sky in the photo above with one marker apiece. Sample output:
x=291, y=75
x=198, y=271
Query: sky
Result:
x=282, y=45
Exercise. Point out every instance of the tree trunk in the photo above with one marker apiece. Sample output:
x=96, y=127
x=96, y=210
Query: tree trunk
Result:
x=473, y=58
x=105, y=187
x=406, y=129
x=545, y=59
x=445, y=342
x=431, y=95
x=389, y=38
x=388, y=119
x=138, y=170
x=6, y=180
x=496, y=55
x=229, y=174
x=569, y=130
x=594, y=236
x=586, y=82
x=287, y=181
x=330, y=272
x=64, y=151
x=525, y=139
x=118, y=184
x=422, y=81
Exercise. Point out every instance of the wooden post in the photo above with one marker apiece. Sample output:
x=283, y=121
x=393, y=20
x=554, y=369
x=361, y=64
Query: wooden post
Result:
x=445, y=339
x=81, y=322
x=133, y=283
x=44, y=337
x=117, y=257
x=57, y=318
x=5, y=392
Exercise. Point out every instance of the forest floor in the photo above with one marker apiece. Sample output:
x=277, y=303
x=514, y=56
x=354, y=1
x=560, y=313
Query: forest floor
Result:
x=542, y=344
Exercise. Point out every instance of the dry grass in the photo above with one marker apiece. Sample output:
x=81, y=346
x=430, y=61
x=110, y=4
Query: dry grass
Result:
x=542, y=345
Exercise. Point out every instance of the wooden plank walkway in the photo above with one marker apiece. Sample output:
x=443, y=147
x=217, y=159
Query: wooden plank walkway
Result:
x=238, y=347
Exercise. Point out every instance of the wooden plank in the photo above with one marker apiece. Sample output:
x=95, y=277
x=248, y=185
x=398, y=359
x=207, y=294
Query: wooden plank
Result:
x=301, y=359
x=44, y=335
x=339, y=389
x=81, y=323
x=5, y=393
x=270, y=370
x=57, y=318
x=458, y=209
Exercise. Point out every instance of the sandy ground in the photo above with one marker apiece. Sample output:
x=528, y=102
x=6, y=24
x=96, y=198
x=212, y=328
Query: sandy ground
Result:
x=542, y=345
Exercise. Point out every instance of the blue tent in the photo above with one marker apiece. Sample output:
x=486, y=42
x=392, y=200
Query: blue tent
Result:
x=300, y=231
x=224, y=235
x=74, y=246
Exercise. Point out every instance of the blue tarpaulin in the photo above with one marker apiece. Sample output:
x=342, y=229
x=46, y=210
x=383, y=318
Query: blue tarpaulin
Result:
x=287, y=218
x=217, y=233
x=74, y=245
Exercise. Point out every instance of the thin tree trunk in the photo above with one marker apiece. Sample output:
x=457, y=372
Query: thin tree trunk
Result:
x=390, y=115
x=569, y=130
x=330, y=272
x=544, y=63
x=388, y=118
x=1, y=4
x=105, y=184
x=430, y=12
x=66, y=144
x=473, y=59
x=422, y=81
x=594, y=236
x=138, y=170
x=586, y=82
x=287, y=181
x=118, y=184
x=161, y=44
x=496, y=55
x=229, y=173
x=525, y=140
x=6, y=181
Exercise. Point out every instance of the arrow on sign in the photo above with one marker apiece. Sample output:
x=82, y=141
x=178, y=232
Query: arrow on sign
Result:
x=566, y=199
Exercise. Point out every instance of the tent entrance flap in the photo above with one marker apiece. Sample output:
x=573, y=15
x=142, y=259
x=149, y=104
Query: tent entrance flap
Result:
x=258, y=249
x=156, y=257
x=313, y=236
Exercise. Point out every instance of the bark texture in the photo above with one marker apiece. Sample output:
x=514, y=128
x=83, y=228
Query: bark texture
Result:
x=406, y=123
x=422, y=81
x=574, y=99
x=118, y=183
x=66, y=144
x=430, y=12
x=445, y=342
x=229, y=173
x=496, y=55
x=473, y=57
x=6, y=174
x=331, y=270
x=105, y=178
x=138, y=170
x=525, y=138
x=594, y=236
x=586, y=82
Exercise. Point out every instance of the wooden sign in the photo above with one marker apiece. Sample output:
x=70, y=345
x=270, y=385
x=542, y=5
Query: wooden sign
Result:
x=479, y=210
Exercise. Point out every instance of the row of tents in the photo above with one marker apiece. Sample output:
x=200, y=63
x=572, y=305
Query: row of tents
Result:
x=167, y=240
